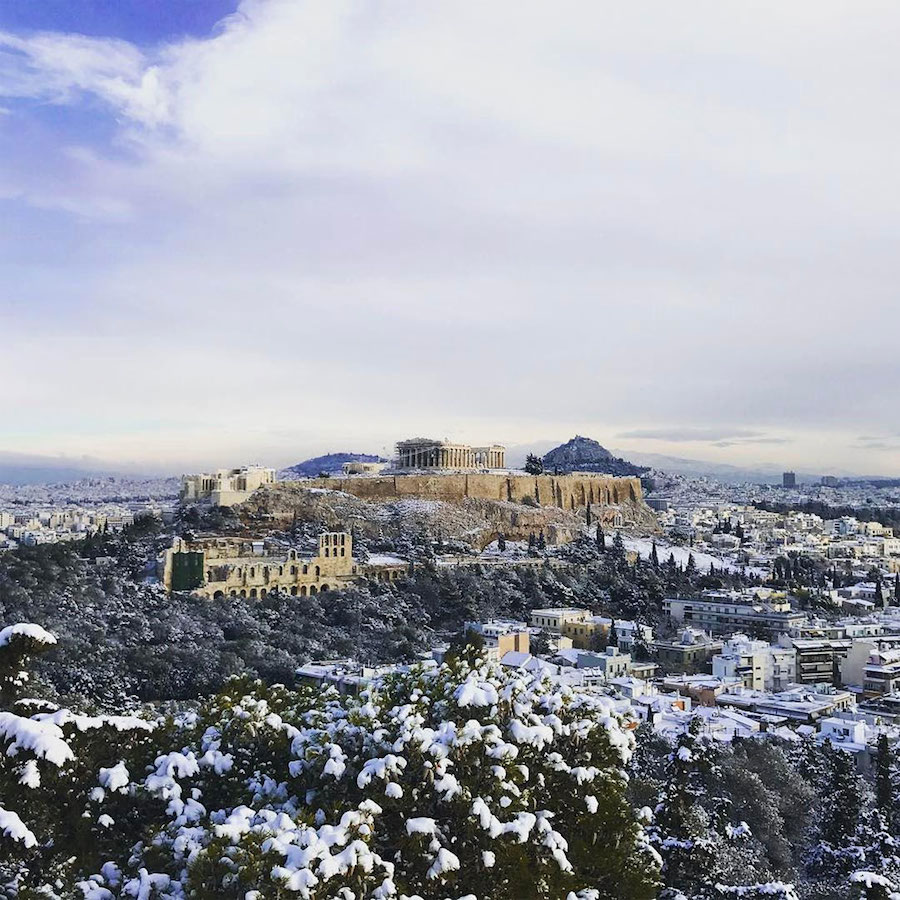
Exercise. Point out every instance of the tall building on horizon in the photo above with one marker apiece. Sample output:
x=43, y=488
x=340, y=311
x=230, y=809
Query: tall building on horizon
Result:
x=789, y=480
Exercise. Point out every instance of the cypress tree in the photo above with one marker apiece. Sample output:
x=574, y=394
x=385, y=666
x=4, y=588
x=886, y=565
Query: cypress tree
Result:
x=884, y=788
x=842, y=808
x=691, y=568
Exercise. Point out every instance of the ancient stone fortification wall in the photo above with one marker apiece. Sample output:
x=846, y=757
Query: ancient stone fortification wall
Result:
x=569, y=492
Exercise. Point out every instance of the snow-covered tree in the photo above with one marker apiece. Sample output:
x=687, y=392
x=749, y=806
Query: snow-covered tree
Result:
x=701, y=847
x=872, y=886
x=463, y=781
x=840, y=848
x=770, y=890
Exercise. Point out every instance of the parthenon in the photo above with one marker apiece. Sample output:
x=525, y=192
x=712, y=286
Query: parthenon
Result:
x=424, y=453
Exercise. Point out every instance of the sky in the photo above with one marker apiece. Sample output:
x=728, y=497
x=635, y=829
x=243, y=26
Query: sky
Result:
x=262, y=230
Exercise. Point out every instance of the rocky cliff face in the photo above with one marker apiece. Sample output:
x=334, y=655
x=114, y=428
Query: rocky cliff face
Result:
x=570, y=492
x=583, y=454
x=472, y=507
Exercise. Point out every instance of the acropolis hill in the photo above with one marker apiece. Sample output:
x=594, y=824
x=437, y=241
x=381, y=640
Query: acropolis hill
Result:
x=472, y=507
x=571, y=492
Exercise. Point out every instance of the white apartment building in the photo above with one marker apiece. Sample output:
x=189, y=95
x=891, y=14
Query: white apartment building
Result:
x=729, y=611
x=627, y=632
x=881, y=674
x=760, y=665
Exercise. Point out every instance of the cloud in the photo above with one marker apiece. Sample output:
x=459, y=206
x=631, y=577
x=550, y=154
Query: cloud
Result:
x=752, y=440
x=62, y=68
x=879, y=442
x=718, y=436
x=335, y=224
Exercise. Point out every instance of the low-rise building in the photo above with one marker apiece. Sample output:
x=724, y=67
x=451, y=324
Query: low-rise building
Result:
x=590, y=633
x=797, y=704
x=702, y=689
x=610, y=662
x=629, y=633
x=348, y=676
x=556, y=619
x=500, y=636
x=363, y=467
x=225, y=487
x=730, y=611
x=690, y=651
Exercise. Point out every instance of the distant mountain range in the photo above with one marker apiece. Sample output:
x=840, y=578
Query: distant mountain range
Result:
x=330, y=463
x=698, y=468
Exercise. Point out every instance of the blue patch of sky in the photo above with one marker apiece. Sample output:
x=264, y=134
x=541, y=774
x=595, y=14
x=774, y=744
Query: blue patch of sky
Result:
x=32, y=127
x=142, y=22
